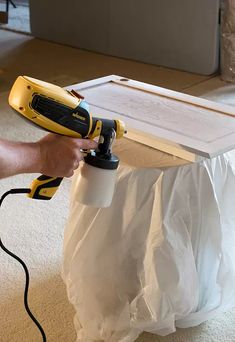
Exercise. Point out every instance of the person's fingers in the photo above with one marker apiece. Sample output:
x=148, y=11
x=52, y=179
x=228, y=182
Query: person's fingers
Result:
x=69, y=174
x=76, y=164
x=86, y=143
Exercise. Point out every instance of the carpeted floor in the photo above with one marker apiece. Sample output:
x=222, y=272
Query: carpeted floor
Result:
x=34, y=230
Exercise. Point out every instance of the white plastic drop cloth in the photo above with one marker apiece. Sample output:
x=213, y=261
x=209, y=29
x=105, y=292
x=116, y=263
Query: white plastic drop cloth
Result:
x=161, y=256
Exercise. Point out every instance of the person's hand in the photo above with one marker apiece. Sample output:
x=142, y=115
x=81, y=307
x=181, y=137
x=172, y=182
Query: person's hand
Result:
x=61, y=155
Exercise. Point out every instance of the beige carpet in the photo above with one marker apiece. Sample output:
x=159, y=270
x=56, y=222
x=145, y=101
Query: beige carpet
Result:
x=34, y=231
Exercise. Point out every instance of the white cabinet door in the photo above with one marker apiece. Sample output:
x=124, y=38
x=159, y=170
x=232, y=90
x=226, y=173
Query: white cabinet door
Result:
x=173, y=122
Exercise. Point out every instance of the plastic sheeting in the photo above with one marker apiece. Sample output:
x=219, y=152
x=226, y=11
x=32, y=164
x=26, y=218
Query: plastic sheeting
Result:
x=161, y=256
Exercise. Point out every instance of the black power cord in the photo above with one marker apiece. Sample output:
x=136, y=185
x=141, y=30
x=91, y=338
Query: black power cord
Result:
x=22, y=191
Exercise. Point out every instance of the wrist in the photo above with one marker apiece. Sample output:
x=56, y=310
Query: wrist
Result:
x=30, y=155
x=17, y=157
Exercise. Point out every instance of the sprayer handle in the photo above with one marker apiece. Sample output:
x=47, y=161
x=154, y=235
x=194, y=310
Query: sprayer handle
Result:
x=44, y=187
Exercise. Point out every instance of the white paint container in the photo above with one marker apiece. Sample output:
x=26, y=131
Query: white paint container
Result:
x=95, y=186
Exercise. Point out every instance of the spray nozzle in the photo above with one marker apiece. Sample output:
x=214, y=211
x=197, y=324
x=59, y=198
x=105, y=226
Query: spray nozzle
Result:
x=105, y=143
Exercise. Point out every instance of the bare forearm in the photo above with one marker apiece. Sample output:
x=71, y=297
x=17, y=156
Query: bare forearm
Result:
x=16, y=158
x=53, y=155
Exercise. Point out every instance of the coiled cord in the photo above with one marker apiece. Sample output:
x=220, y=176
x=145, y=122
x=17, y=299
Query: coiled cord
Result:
x=22, y=191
